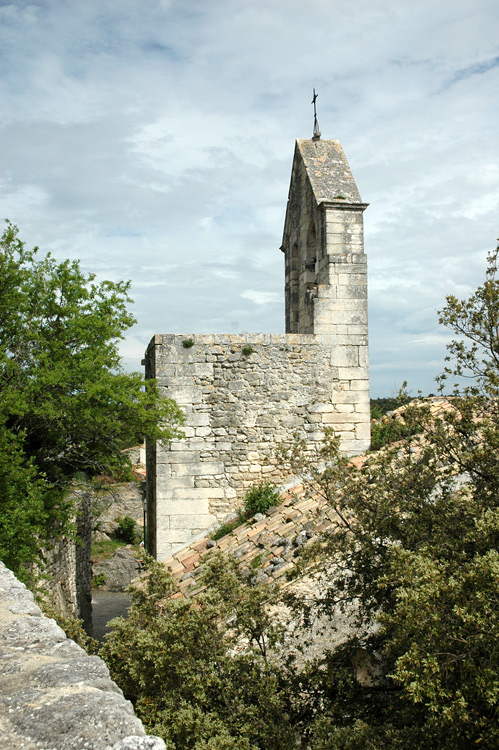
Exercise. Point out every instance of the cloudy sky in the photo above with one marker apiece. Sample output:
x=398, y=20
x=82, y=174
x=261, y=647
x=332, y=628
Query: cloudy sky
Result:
x=153, y=139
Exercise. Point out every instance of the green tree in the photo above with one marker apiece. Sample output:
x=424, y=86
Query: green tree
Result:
x=414, y=558
x=385, y=428
x=66, y=404
x=475, y=354
x=204, y=673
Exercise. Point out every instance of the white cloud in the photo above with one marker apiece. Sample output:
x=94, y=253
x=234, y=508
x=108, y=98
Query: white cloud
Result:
x=154, y=141
x=260, y=298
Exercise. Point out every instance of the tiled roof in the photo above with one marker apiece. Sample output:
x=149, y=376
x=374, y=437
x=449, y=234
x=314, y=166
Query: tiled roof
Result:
x=270, y=545
x=328, y=171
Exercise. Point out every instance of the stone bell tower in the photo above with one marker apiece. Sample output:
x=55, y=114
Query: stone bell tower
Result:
x=326, y=277
x=325, y=264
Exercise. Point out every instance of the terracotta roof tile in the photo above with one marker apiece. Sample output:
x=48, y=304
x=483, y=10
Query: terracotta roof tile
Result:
x=183, y=554
x=191, y=558
x=270, y=541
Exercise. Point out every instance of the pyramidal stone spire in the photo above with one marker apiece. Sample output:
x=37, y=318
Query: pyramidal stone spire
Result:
x=328, y=172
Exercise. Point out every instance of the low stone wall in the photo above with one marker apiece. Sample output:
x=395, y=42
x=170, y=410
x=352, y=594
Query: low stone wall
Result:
x=53, y=695
x=67, y=567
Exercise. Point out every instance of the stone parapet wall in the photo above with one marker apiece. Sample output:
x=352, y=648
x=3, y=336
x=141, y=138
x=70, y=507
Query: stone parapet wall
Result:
x=240, y=408
x=67, y=580
x=52, y=693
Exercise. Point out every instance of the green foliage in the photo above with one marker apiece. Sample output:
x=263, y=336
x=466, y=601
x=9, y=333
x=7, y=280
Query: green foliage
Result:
x=126, y=530
x=415, y=550
x=188, y=343
x=229, y=526
x=247, y=350
x=260, y=498
x=387, y=431
x=99, y=580
x=66, y=404
x=475, y=353
x=387, y=428
x=105, y=548
x=177, y=661
x=30, y=507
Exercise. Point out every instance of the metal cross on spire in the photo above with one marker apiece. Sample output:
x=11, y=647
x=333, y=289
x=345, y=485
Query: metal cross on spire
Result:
x=317, y=132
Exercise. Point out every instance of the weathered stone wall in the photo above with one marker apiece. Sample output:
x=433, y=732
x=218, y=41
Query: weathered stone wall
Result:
x=239, y=409
x=121, y=500
x=68, y=569
x=52, y=694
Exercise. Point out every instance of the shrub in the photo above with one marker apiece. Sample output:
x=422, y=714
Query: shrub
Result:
x=387, y=428
x=126, y=531
x=99, y=580
x=260, y=498
x=180, y=663
x=390, y=429
x=247, y=350
x=187, y=343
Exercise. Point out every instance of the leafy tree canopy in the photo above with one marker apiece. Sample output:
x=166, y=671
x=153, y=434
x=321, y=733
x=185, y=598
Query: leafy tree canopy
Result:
x=204, y=673
x=474, y=355
x=66, y=404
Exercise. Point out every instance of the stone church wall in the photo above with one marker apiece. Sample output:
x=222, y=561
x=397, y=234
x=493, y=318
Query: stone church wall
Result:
x=240, y=407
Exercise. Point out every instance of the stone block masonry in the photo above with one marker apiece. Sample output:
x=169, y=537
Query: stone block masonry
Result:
x=67, y=581
x=240, y=408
